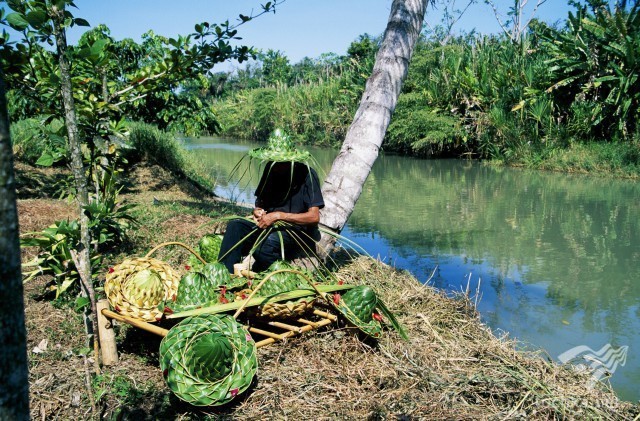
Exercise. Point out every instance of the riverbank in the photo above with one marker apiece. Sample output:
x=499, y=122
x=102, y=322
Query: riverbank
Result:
x=452, y=367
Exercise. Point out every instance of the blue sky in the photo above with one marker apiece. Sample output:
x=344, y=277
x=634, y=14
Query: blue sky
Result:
x=299, y=28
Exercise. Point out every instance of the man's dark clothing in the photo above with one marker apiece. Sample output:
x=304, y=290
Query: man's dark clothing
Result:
x=290, y=191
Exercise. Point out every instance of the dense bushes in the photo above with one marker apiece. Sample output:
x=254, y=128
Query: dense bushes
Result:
x=521, y=103
x=316, y=113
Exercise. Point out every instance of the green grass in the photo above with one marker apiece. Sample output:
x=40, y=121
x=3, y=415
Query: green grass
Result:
x=615, y=159
x=167, y=151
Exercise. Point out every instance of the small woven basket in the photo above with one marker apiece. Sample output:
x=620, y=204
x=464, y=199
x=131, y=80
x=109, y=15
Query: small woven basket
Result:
x=120, y=274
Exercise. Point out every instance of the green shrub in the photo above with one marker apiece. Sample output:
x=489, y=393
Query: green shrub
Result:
x=38, y=143
x=167, y=151
x=423, y=132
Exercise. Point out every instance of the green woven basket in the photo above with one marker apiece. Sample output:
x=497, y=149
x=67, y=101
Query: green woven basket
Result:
x=208, y=360
x=362, y=308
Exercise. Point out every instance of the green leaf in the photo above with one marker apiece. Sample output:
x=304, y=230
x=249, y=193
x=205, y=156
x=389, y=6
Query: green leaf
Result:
x=81, y=302
x=98, y=46
x=45, y=160
x=17, y=21
x=65, y=285
x=81, y=22
x=36, y=18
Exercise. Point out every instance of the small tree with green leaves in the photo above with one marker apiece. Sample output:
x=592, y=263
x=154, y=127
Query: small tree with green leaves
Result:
x=73, y=83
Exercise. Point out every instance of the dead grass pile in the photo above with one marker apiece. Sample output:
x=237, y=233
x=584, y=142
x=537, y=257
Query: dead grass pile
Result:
x=55, y=337
x=453, y=367
x=37, y=214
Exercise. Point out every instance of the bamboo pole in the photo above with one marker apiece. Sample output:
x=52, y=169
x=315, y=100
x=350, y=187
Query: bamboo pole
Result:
x=136, y=323
x=286, y=326
x=108, y=348
x=268, y=334
x=273, y=337
x=308, y=322
x=326, y=315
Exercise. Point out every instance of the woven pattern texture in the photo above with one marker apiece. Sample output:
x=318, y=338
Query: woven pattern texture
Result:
x=207, y=360
x=137, y=286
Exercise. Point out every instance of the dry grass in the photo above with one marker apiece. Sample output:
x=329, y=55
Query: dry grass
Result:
x=453, y=367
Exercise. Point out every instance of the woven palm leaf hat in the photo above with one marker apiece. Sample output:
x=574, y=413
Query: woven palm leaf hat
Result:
x=362, y=307
x=280, y=148
x=137, y=286
x=208, y=360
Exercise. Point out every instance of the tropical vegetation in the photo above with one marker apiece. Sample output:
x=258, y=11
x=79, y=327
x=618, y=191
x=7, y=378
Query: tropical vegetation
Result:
x=552, y=96
x=557, y=97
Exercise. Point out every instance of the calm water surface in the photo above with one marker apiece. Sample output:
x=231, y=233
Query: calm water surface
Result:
x=556, y=258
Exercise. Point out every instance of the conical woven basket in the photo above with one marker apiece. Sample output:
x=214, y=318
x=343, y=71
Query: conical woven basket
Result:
x=203, y=378
x=357, y=307
x=119, y=275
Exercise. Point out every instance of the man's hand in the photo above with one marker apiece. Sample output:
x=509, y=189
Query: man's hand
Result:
x=264, y=219
x=257, y=214
x=267, y=219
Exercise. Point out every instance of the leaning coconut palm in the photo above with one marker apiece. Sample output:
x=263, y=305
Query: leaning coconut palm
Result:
x=137, y=286
x=362, y=307
x=208, y=360
x=350, y=169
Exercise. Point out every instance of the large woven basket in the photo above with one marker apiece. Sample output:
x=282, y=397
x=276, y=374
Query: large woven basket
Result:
x=118, y=276
x=209, y=359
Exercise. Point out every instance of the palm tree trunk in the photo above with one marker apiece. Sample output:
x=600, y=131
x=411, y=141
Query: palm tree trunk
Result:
x=351, y=167
x=14, y=385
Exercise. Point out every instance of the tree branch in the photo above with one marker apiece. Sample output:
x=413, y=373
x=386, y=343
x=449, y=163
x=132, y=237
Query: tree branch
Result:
x=139, y=83
x=496, y=14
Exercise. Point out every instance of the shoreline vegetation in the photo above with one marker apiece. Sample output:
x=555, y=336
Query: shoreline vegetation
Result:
x=452, y=367
x=561, y=97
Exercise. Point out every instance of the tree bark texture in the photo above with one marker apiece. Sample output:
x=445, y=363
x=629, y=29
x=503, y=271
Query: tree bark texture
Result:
x=77, y=166
x=82, y=258
x=352, y=166
x=14, y=384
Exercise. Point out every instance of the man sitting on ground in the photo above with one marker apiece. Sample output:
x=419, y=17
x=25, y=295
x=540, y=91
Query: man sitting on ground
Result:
x=287, y=209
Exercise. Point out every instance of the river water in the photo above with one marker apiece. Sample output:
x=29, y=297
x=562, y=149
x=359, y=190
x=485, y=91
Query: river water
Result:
x=555, y=257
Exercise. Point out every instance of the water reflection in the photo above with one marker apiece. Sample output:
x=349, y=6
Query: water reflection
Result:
x=556, y=257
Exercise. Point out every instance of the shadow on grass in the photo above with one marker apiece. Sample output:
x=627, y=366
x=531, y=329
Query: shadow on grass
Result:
x=155, y=404
x=38, y=183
